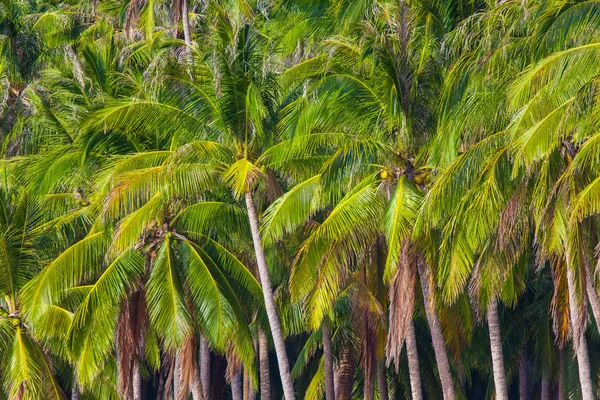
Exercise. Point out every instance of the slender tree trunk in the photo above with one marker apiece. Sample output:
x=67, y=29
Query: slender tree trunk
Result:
x=328, y=360
x=236, y=386
x=74, y=392
x=523, y=377
x=439, y=345
x=594, y=299
x=336, y=382
x=136, y=381
x=197, y=388
x=413, y=363
x=251, y=391
x=263, y=360
x=205, y=367
x=345, y=374
x=580, y=346
x=369, y=361
x=161, y=385
x=496, y=348
x=177, y=387
x=187, y=36
x=561, y=374
x=382, y=384
x=545, y=391
x=583, y=361
x=282, y=360
x=368, y=387
x=246, y=385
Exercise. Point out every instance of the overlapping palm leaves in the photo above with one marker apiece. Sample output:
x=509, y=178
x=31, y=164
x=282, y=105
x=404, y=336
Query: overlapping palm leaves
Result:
x=456, y=142
x=28, y=369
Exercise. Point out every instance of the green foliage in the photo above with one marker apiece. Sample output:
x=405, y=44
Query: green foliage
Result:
x=405, y=159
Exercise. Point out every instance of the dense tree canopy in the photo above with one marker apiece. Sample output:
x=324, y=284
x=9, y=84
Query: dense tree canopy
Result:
x=312, y=199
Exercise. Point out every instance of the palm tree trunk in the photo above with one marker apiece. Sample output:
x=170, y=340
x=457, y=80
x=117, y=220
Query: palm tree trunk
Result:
x=161, y=385
x=562, y=369
x=369, y=360
x=328, y=360
x=137, y=381
x=579, y=345
x=246, y=385
x=263, y=360
x=545, y=391
x=236, y=386
x=177, y=387
x=74, y=392
x=382, y=385
x=413, y=363
x=345, y=374
x=594, y=299
x=187, y=36
x=368, y=387
x=496, y=348
x=205, y=366
x=263, y=269
x=439, y=345
x=523, y=378
x=251, y=391
x=197, y=388
x=185, y=19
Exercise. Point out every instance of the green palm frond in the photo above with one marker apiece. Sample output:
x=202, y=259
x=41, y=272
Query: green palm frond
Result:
x=166, y=304
x=241, y=176
x=201, y=218
x=399, y=220
x=292, y=209
x=77, y=263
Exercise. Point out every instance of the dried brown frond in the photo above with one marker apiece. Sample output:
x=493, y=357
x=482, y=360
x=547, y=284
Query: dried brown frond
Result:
x=187, y=366
x=130, y=340
x=402, y=298
x=234, y=366
x=125, y=350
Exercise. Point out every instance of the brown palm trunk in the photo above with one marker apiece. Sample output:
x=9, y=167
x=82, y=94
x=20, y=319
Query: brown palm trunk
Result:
x=177, y=386
x=137, y=381
x=382, y=385
x=263, y=269
x=185, y=20
x=345, y=374
x=594, y=299
x=439, y=345
x=236, y=386
x=561, y=374
x=263, y=360
x=161, y=384
x=246, y=385
x=368, y=359
x=328, y=360
x=197, y=389
x=580, y=344
x=413, y=362
x=523, y=377
x=205, y=366
x=545, y=391
x=496, y=348
x=251, y=391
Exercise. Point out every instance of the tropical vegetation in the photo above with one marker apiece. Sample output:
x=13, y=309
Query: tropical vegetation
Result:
x=299, y=199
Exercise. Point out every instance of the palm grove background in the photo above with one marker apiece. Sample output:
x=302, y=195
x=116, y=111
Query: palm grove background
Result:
x=319, y=199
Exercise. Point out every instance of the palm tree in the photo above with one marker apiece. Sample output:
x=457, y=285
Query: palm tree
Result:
x=27, y=367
